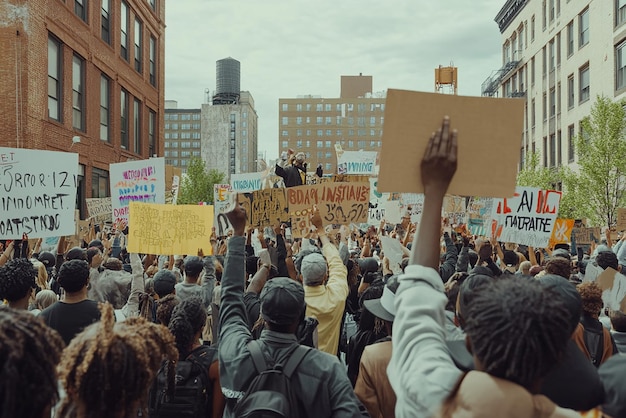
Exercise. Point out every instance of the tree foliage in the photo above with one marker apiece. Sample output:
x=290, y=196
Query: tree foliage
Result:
x=533, y=174
x=597, y=189
x=197, y=184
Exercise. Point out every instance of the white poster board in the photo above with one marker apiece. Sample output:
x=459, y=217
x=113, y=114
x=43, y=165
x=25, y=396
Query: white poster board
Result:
x=356, y=162
x=37, y=193
x=246, y=182
x=224, y=199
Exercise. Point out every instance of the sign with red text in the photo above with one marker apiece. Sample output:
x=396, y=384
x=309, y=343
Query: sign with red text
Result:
x=37, y=193
x=266, y=207
x=527, y=218
x=136, y=181
x=338, y=203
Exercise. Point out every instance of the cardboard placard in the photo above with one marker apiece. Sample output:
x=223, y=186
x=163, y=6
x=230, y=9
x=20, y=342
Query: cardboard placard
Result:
x=338, y=203
x=392, y=249
x=527, y=218
x=454, y=210
x=169, y=229
x=173, y=177
x=37, y=193
x=377, y=199
x=265, y=207
x=136, y=181
x=621, y=219
x=411, y=205
x=490, y=129
x=346, y=178
x=356, y=162
x=246, y=182
x=586, y=236
x=99, y=209
x=224, y=202
x=479, y=215
x=613, y=285
x=562, y=232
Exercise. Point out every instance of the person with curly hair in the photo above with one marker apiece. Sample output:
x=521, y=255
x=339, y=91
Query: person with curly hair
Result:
x=29, y=354
x=591, y=336
x=107, y=370
x=17, y=282
x=560, y=267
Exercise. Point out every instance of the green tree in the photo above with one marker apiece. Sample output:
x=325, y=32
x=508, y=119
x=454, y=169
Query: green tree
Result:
x=533, y=174
x=197, y=184
x=597, y=189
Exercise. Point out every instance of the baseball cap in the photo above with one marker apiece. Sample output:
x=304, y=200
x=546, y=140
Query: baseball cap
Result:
x=384, y=307
x=561, y=252
x=164, y=282
x=510, y=258
x=193, y=265
x=282, y=301
x=313, y=269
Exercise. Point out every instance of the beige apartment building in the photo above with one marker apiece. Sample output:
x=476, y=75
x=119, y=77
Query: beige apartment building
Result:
x=559, y=55
x=182, y=135
x=313, y=124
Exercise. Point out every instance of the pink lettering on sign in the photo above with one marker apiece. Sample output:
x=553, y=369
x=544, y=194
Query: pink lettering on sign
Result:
x=139, y=173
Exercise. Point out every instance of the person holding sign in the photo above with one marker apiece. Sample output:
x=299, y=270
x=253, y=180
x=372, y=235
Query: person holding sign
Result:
x=294, y=173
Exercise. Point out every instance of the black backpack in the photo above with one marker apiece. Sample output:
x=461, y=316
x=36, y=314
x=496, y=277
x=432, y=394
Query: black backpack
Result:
x=594, y=341
x=270, y=394
x=193, y=390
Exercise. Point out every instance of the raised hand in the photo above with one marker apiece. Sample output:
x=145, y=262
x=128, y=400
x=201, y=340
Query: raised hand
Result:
x=238, y=219
x=440, y=159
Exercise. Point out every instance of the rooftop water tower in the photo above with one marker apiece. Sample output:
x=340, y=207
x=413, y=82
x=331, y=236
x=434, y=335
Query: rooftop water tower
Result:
x=228, y=82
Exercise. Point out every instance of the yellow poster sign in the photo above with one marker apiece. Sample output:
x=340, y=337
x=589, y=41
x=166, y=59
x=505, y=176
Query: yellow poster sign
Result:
x=169, y=229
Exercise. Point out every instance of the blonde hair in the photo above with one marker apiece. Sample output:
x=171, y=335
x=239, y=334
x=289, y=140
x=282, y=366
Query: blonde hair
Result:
x=45, y=298
x=42, y=275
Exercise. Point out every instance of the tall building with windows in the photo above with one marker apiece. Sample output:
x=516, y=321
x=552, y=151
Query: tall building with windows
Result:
x=182, y=135
x=559, y=55
x=313, y=124
x=101, y=64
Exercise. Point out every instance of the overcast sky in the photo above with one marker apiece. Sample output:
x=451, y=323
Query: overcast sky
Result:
x=292, y=47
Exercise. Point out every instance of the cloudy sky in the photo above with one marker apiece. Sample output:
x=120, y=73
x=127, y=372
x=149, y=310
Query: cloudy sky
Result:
x=292, y=47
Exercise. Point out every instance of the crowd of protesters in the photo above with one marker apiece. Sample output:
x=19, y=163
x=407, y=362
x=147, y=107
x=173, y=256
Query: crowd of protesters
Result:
x=464, y=326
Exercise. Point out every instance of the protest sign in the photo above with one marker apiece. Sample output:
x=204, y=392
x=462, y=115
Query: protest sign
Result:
x=393, y=250
x=479, y=215
x=346, y=178
x=527, y=218
x=265, y=207
x=562, y=232
x=376, y=209
x=136, y=181
x=246, y=182
x=621, y=219
x=586, y=236
x=338, y=203
x=82, y=229
x=412, y=205
x=99, y=209
x=486, y=128
x=454, y=210
x=224, y=199
x=356, y=162
x=172, y=183
x=613, y=285
x=169, y=229
x=37, y=193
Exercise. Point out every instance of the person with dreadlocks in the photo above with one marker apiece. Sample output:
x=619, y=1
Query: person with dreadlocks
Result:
x=17, y=282
x=108, y=368
x=29, y=354
x=516, y=329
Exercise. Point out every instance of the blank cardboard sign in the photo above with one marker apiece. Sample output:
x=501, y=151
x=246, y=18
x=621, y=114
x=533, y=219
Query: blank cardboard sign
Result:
x=489, y=140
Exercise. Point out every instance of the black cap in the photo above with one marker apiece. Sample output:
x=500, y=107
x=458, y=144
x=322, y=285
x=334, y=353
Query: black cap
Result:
x=164, y=282
x=282, y=301
x=47, y=259
x=510, y=258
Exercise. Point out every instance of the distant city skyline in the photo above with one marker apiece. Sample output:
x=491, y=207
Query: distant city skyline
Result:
x=287, y=49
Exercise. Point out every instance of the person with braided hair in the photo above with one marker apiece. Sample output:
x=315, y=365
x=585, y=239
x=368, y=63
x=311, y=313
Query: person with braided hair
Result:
x=29, y=354
x=107, y=370
x=17, y=282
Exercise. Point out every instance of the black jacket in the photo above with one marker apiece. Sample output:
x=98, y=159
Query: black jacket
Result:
x=292, y=175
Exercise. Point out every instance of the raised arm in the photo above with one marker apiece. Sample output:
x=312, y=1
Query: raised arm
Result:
x=137, y=287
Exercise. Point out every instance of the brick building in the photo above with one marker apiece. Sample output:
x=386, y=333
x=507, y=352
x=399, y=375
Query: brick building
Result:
x=101, y=63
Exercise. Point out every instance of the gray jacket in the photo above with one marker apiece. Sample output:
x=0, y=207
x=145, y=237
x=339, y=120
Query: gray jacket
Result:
x=620, y=340
x=320, y=382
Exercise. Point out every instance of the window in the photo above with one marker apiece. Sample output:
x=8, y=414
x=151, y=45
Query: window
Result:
x=319, y=107
x=328, y=107
x=552, y=150
x=320, y=132
x=195, y=144
x=558, y=98
x=80, y=8
x=285, y=107
x=338, y=107
x=328, y=120
x=329, y=132
x=558, y=49
x=319, y=144
x=532, y=114
x=320, y=155
x=285, y=120
x=185, y=126
x=551, y=55
x=339, y=132
x=545, y=106
x=299, y=120
x=299, y=107
x=308, y=107
x=532, y=71
x=308, y=144
x=544, y=61
x=105, y=22
x=185, y=116
x=372, y=132
x=78, y=93
x=338, y=120
x=545, y=151
x=543, y=15
x=620, y=66
x=350, y=144
x=137, y=126
x=328, y=167
x=620, y=12
x=328, y=154
x=361, y=107
x=124, y=118
x=570, y=91
x=583, y=83
x=174, y=117
x=372, y=120
x=299, y=132
x=151, y=133
x=284, y=133
x=152, y=4
x=124, y=23
x=583, y=28
x=299, y=143
x=152, y=68
x=559, y=149
x=105, y=96
x=328, y=144
x=195, y=116
x=318, y=120
x=138, y=45
x=99, y=183
x=570, y=38
x=520, y=40
x=570, y=143
x=552, y=102
x=552, y=10
x=174, y=125
x=532, y=29
x=55, y=58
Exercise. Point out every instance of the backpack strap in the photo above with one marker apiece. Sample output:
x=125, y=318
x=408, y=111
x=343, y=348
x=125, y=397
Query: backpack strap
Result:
x=294, y=359
x=254, y=346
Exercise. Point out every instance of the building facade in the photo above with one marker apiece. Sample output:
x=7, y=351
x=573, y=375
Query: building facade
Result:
x=101, y=65
x=182, y=135
x=559, y=55
x=229, y=135
x=314, y=125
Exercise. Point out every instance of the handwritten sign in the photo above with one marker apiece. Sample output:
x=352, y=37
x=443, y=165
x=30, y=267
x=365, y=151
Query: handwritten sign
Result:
x=356, y=162
x=169, y=229
x=265, y=207
x=527, y=218
x=99, y=209
x=37, y=193
x=393, y=250
x=613, y=285
x=376, y=209
x=338, y=203
x=172, y=183
x=621, y=219
x=586, y=236
x=246, y=182
x=562, y=232
x=224, y=201
x=479, y=215
x=454, y=210
x=136, y=181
